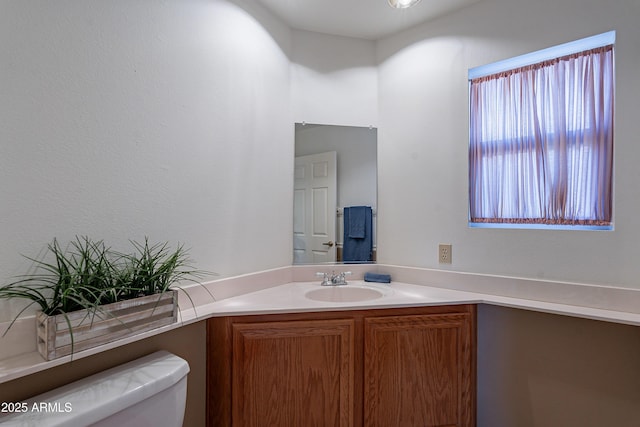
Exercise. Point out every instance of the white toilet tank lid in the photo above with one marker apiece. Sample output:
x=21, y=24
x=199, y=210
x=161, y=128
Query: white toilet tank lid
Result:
x=98, y=396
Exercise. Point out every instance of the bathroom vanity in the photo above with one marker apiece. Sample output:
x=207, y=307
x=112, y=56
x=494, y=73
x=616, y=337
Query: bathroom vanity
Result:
x=373, y=367
x=371, y=354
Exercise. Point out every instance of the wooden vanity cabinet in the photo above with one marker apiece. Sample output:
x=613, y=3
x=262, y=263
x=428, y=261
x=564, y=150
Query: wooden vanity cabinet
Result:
x=419, y=370
x=386, y=367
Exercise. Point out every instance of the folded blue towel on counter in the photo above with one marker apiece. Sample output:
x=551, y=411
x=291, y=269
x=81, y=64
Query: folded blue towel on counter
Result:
x=377, y=277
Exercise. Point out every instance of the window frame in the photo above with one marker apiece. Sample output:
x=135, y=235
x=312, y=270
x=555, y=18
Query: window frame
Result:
x=525, y=60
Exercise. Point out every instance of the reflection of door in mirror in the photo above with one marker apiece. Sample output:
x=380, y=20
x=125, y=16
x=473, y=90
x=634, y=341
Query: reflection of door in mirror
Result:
x=314, y=214
x=356, y=152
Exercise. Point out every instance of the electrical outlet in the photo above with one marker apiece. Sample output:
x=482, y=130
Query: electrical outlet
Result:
x=444, y=254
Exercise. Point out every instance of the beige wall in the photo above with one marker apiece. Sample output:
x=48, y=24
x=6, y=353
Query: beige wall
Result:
x=544, y=370
x=188, y=342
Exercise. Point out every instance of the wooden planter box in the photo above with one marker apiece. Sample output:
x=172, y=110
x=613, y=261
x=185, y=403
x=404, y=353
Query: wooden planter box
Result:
x=108, y=323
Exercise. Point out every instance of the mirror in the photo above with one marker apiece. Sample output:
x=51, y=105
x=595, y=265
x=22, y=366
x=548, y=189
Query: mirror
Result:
x=335, y=168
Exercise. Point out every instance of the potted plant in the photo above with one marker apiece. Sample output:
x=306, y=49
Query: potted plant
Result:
x=90, y=295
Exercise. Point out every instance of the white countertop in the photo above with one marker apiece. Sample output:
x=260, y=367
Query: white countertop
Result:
x=291, y=297
x=282, y=291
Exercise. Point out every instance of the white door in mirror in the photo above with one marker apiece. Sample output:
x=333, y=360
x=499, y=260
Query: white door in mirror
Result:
x=314, y=214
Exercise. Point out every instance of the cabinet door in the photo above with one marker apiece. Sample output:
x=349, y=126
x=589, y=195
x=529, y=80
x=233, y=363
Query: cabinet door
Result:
x=418, y=370
x=297, y=373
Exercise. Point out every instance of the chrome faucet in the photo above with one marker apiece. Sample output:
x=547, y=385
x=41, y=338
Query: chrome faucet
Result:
x=333, y=279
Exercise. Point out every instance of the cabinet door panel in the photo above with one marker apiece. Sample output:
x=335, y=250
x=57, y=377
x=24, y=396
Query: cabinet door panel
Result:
x=297, y=373
x=418, y=370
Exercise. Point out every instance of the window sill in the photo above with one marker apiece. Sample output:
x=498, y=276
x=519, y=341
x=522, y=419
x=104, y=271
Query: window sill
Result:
x=541, y=226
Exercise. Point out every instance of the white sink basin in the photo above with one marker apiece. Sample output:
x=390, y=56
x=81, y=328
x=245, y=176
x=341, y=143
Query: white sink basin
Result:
x=344, y=293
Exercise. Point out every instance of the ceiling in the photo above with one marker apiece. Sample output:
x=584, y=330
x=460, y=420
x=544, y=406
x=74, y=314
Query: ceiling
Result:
x=365, y=19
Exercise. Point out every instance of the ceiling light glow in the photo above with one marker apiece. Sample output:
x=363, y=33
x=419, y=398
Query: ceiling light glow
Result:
x=402, y=4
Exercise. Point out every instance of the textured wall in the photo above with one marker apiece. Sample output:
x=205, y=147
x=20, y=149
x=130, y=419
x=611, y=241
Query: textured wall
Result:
x=334, y=80
x=167, y=119
x=538, y=369
x=423, y=142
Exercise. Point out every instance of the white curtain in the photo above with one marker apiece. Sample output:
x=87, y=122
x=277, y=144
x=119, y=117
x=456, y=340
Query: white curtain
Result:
x=541, y=142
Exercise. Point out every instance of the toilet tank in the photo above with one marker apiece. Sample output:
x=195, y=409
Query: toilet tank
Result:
x=147, y=392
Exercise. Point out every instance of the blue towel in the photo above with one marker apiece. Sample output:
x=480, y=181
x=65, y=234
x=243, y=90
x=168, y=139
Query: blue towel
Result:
x=377, y=277
x=358, y=249
x=357, y=222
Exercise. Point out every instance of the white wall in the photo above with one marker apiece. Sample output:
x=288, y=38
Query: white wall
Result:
x=423, y=140
x=121, y=119
x=334, y=80
x=533, y=369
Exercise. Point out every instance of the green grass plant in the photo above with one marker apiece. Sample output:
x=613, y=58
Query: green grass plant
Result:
x=88, y=274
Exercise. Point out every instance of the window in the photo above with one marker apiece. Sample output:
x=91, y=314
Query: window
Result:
x=541, y=138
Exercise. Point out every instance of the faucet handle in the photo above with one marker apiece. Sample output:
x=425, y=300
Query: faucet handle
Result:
x=326, y=279
x=340, y=278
